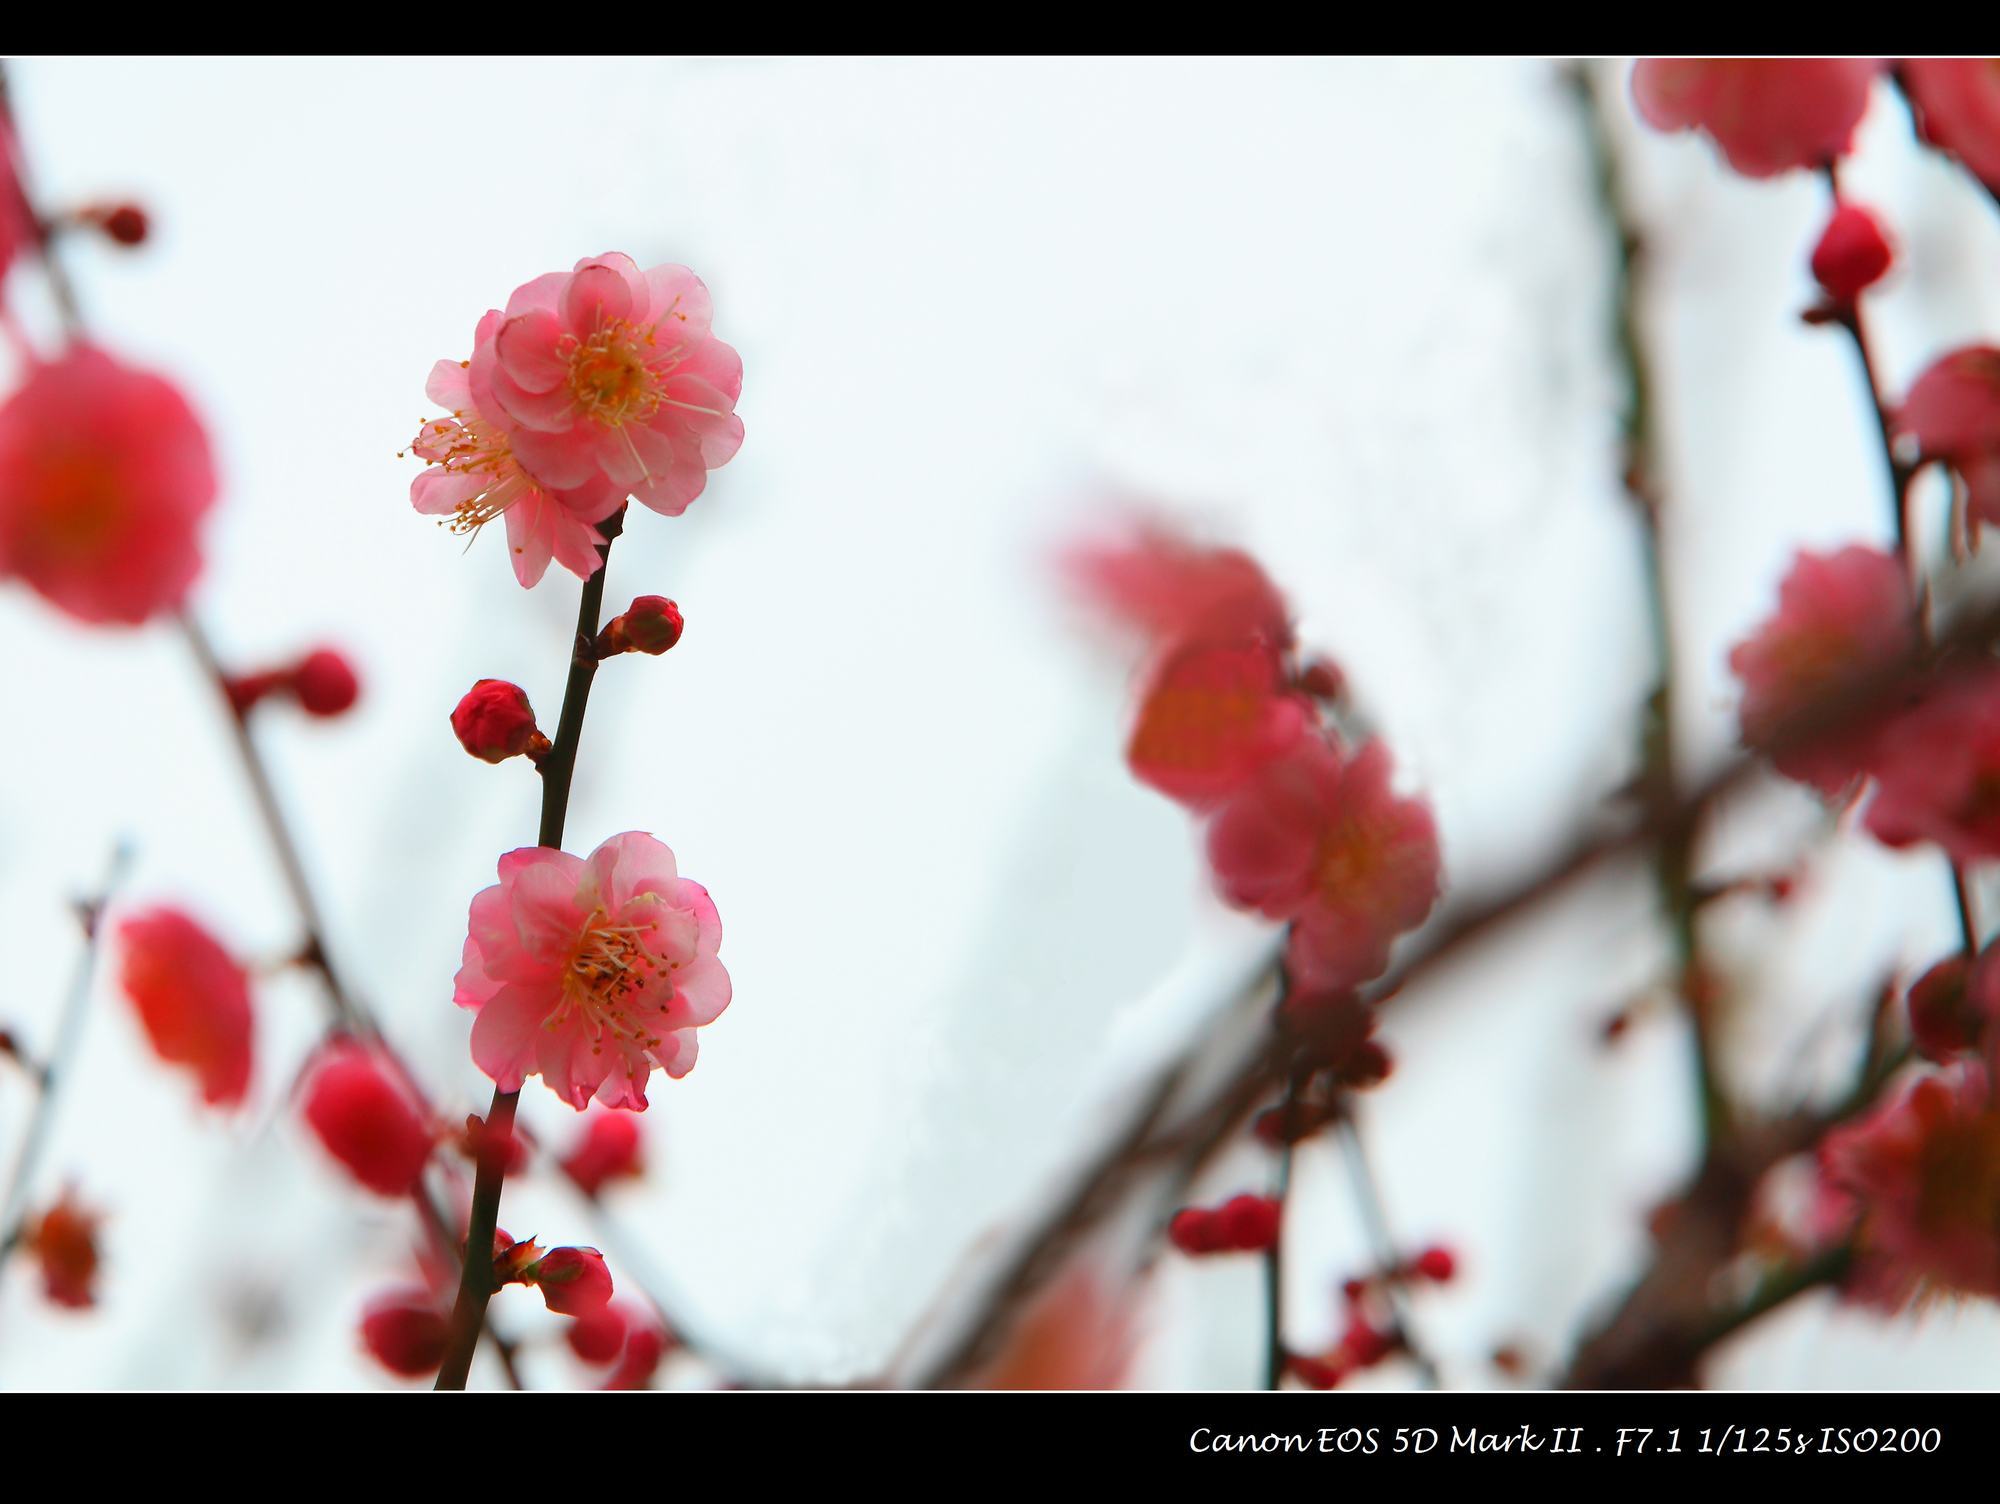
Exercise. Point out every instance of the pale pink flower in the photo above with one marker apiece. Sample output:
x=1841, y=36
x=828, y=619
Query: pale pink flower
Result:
x=1768, y=115
x=472, y=477
x=591, y=972
x=1841, y=617
x=610, y=371
x=1953, y=412
x=1324, y=841
x=1957, y=104
x=1937, y=771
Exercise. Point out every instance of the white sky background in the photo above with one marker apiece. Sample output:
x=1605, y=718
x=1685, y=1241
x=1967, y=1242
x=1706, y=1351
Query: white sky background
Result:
x=1348, y=313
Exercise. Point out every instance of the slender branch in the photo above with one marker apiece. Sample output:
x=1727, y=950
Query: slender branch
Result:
x=1386, y=1252
x=558, y=767
x=1659, y=778
x=54, y=1066
x=61, y=290
x=1902, y=477
x=1274, y=1272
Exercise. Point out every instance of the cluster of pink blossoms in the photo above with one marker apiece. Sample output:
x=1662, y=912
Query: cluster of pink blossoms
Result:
x=593, y=385
x=1302, y=826
x=1913, y=1186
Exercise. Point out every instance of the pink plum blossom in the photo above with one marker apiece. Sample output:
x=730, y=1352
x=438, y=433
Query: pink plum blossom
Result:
x=591, y=972
x=1956, y=101
x=1923, y=1170
x=1937, y=771
x=1210, y=716
x=1174, y=590
x=613, y=374
x=1841, y=616
x=1768, y=115
x=1322, y=840
x=472, y=476
x=105, y=477
x=1953, y=412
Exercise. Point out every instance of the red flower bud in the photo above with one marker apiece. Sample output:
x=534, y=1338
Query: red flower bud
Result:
x=1195, y=1231
x=608, y=1148
x=651, y=624
x=64, y=1243
x=325, y=683
x=1436, y=1264
x=1852, y=253
x=495, y=722
x=573, y=1281
x=406, y=1331
x=127, y=224
x=368, y=1119
x=598, y=1336
x=1317, y=1373
x=1248, y=1223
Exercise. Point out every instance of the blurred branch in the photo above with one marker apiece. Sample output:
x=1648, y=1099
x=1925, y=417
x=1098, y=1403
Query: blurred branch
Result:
x=53, y=1069
x=1382, y=1241
x=1659, y=776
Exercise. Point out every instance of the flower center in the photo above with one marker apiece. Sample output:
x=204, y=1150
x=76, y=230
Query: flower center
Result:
x=613, y=375
x=604, y=982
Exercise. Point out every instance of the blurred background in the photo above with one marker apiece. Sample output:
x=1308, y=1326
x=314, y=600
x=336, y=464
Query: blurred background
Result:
x=1353, y=315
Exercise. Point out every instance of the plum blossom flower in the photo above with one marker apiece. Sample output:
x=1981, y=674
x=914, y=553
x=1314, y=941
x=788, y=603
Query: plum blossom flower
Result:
x=1217, y=701
x=1209, y=716
x=472, y=476
x=368, y=1118
x=612, y=372
x=1321, y=839
x=105, y=475
x=591, y=972
x=1174, y=590
x=1768, y=115
x=1923, y=1170
x=1841, y=616
x=1956, y=101
x=1937, y=771
x=1953, y=412
x=192, y=998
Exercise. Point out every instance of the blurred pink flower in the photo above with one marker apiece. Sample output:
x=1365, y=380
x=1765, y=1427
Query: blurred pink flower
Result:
x=472, y=477
x=1953, y=412
x=1769, y=115
x=591, y=973
x=609, y=1147
x=368, y=1118
x=1840, y=616
x=1924, y=1171
x=1079, y=1332
x=613, y=372
x=1175, y=591
x=1209, y=716
x=1325, y=842
x=105, y=475
x=405, y=1330
x=1937, y=771
x=1957, y=104
x=192, y=998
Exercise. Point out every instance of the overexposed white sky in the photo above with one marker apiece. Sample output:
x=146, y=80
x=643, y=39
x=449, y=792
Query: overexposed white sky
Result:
x=1348, y=313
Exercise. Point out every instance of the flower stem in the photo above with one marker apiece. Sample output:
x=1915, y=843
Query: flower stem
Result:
x=557, y=767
